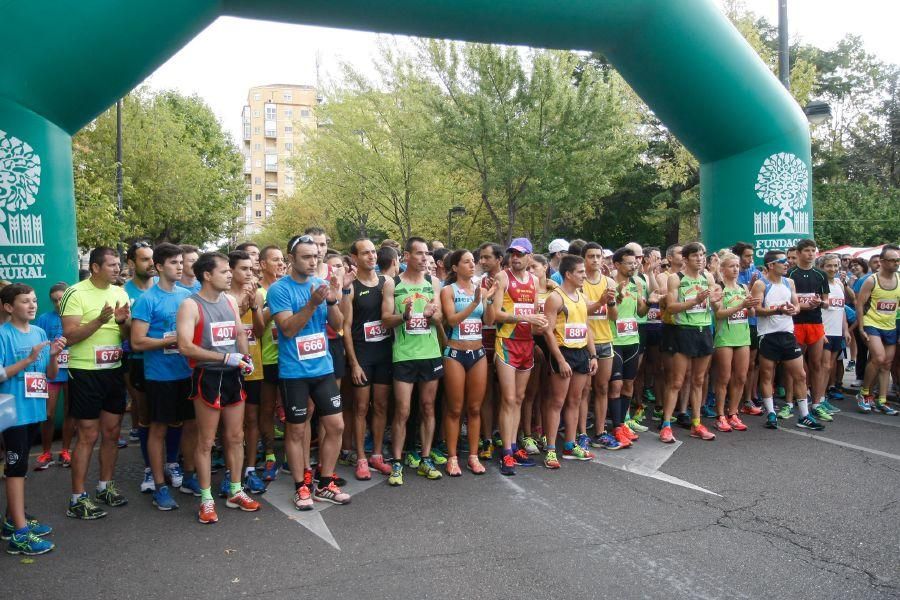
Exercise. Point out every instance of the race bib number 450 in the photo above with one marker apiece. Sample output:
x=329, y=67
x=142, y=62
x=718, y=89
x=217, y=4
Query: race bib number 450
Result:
x=35, y=385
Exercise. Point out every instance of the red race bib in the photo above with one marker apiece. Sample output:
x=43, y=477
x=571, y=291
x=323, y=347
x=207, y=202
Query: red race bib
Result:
x=574, y=333
x=374, y=331
x=311, y=346
x=886, y=307
x=470, y=330
x=626, y=326
x=222, y=333
x=107, y=357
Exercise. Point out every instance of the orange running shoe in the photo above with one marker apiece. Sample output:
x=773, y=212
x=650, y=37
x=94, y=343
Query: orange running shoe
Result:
x=700, y=431
x=666, y=436
x=453, y=469
x=362, y=470
x=242, y=501
x=44, y=461
x=303, y=498
x=376, y=461
x=631, y=434
x=749, y=409
x=736, y=423
x=622, y=437
x=475, y=465
x=207, y=514
x=722, y=423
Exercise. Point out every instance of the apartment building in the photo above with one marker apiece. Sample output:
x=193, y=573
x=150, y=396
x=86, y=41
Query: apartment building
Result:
x=276, y=120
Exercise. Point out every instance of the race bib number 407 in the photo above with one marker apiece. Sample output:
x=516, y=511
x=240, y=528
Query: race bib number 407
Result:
x=222, y=333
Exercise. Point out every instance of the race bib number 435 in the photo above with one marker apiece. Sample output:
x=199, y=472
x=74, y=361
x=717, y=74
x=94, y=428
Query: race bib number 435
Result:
x=374, y=331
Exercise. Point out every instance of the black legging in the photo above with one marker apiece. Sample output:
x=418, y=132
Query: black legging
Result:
x=862, y=354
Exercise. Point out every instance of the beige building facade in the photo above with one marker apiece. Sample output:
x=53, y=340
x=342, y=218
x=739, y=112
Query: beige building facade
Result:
x=276, y=121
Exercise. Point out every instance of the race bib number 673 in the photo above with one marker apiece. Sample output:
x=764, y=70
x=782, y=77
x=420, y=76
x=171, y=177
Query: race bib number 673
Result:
x=107, y=357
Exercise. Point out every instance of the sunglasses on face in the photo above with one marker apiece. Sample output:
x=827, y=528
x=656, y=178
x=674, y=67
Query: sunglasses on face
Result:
x=780, y=261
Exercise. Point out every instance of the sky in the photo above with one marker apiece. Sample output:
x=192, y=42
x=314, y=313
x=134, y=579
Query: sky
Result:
x=218, y=67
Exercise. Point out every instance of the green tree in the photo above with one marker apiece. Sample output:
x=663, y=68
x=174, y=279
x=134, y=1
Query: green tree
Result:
x=183, y=178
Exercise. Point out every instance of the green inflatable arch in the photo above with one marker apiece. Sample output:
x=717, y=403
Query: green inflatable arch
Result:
x=65, y=62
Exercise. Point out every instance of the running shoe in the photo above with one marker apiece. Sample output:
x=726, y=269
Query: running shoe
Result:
x=376, y=461
x=529, y=444
x=700, y=431
x=344, y=458
x=508, y=465
x=636, y=427
x=426, y=469
x=543, y=442
x=808, y=422
x=821, y=414
x=122, y=443
x=583, y=440
x=111, y=495
x=736, y=423
x=606, y=441
x=253, y=484
x=706, y=412
x=779, y=391
x=412, y=459
x=85, y=509
x=44, y=462
x=207, y=514
x=242, y=501
x=270, y=471
x=577, y=453
x=190, y=485
x=851, y=364
x=163, y=500
x=497, y=440
x=303, y=498
x=453, y=469
x=331, y=493
x=831, y=408
x=864, y=403
x=278, y=433
x=174, y=474
x=147, y=484
x=28, y=544
x=639, y=415
x=475, y=465
x=621, y=437
x=722, y=423
x=522, y=458
x=786, y=412
x=771, y=421
x=362, y=471
x=34, y=526
x=649, y=396
x=396, y=477
x=551, y=461
x=437, y=457
x=632, y=436
x=657, y=414
x=750, y=409
x=884, y=408
x=683, y=420
x=65, y=459
x=134, y=435
x=666, y=436
x=485, y=450
x=225, y=486
x=835, y=393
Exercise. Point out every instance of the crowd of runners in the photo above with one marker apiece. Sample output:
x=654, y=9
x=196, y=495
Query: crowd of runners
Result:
x=420, y=357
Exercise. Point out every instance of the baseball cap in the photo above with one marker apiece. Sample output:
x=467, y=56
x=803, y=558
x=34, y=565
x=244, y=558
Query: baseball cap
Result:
x=521, y=245
x=558, y=245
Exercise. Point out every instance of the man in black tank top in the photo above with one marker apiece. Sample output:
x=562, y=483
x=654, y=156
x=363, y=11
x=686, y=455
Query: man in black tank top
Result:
x=368, y=349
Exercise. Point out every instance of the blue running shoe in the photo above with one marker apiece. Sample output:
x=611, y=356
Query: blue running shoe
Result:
x=253, y=484
x=583, y=440
x=28, y=544
x=835, y=393
x=883, y=407
x=163, y=500
x=606, y=441
x=707, y=413
x=831, y=408
x=224, y=487
x=507, y=465
x=190, y=485
x=772, y=421
x=808, y=422
x=35, y=527
x=522, y=458
x=270, y=471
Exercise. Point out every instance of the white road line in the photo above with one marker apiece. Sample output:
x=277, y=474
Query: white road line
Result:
x=840, y=443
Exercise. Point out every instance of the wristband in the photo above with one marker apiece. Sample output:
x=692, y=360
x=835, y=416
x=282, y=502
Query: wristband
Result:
x=121, y=322
x=593, y=357
x=331, y=302
x=346, y=291
x=254, y=308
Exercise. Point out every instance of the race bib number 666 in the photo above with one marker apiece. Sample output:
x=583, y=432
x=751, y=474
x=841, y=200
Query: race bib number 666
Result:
x=311, y=346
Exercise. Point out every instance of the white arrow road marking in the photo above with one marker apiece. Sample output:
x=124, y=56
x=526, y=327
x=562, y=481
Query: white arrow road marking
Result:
x=645, y=459
x=280, y=494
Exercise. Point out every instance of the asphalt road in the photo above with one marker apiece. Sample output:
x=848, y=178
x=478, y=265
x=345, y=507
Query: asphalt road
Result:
x=756, y=514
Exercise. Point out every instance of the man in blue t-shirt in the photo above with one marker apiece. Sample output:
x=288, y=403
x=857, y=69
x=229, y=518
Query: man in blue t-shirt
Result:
x=306, y=370
x=167, y=379
x=27, y=361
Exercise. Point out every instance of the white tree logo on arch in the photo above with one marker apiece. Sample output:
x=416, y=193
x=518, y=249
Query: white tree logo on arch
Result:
x=782, y=182
x=20, y=179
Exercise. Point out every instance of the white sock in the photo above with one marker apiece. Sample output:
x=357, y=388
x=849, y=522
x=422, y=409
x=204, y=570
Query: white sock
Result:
x=249, y=470
x=101, y=485
x=769, y=404
x=75, y=498
x=171, y=465
x=804, y=408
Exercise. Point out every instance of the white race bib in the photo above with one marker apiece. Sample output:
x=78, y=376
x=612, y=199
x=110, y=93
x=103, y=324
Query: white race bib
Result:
x=574, y=333
x=417, y=325
x=36, y=385
x=107, y=357
x=173, y=347
x=311, y=346
x=374, y=331
x=628, y=326
x=470, y=330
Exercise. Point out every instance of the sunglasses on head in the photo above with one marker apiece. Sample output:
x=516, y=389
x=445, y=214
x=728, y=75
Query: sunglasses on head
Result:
x=303, y=239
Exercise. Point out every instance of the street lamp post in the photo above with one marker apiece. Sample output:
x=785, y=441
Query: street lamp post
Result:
x=119, y=174
x=456, y=210
x=784, y=56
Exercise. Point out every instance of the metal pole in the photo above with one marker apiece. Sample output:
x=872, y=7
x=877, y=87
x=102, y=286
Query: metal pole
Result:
x=119, y=174
x=784, y=52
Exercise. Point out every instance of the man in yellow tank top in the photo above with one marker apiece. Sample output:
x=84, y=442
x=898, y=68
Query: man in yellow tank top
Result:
x=877, y=302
